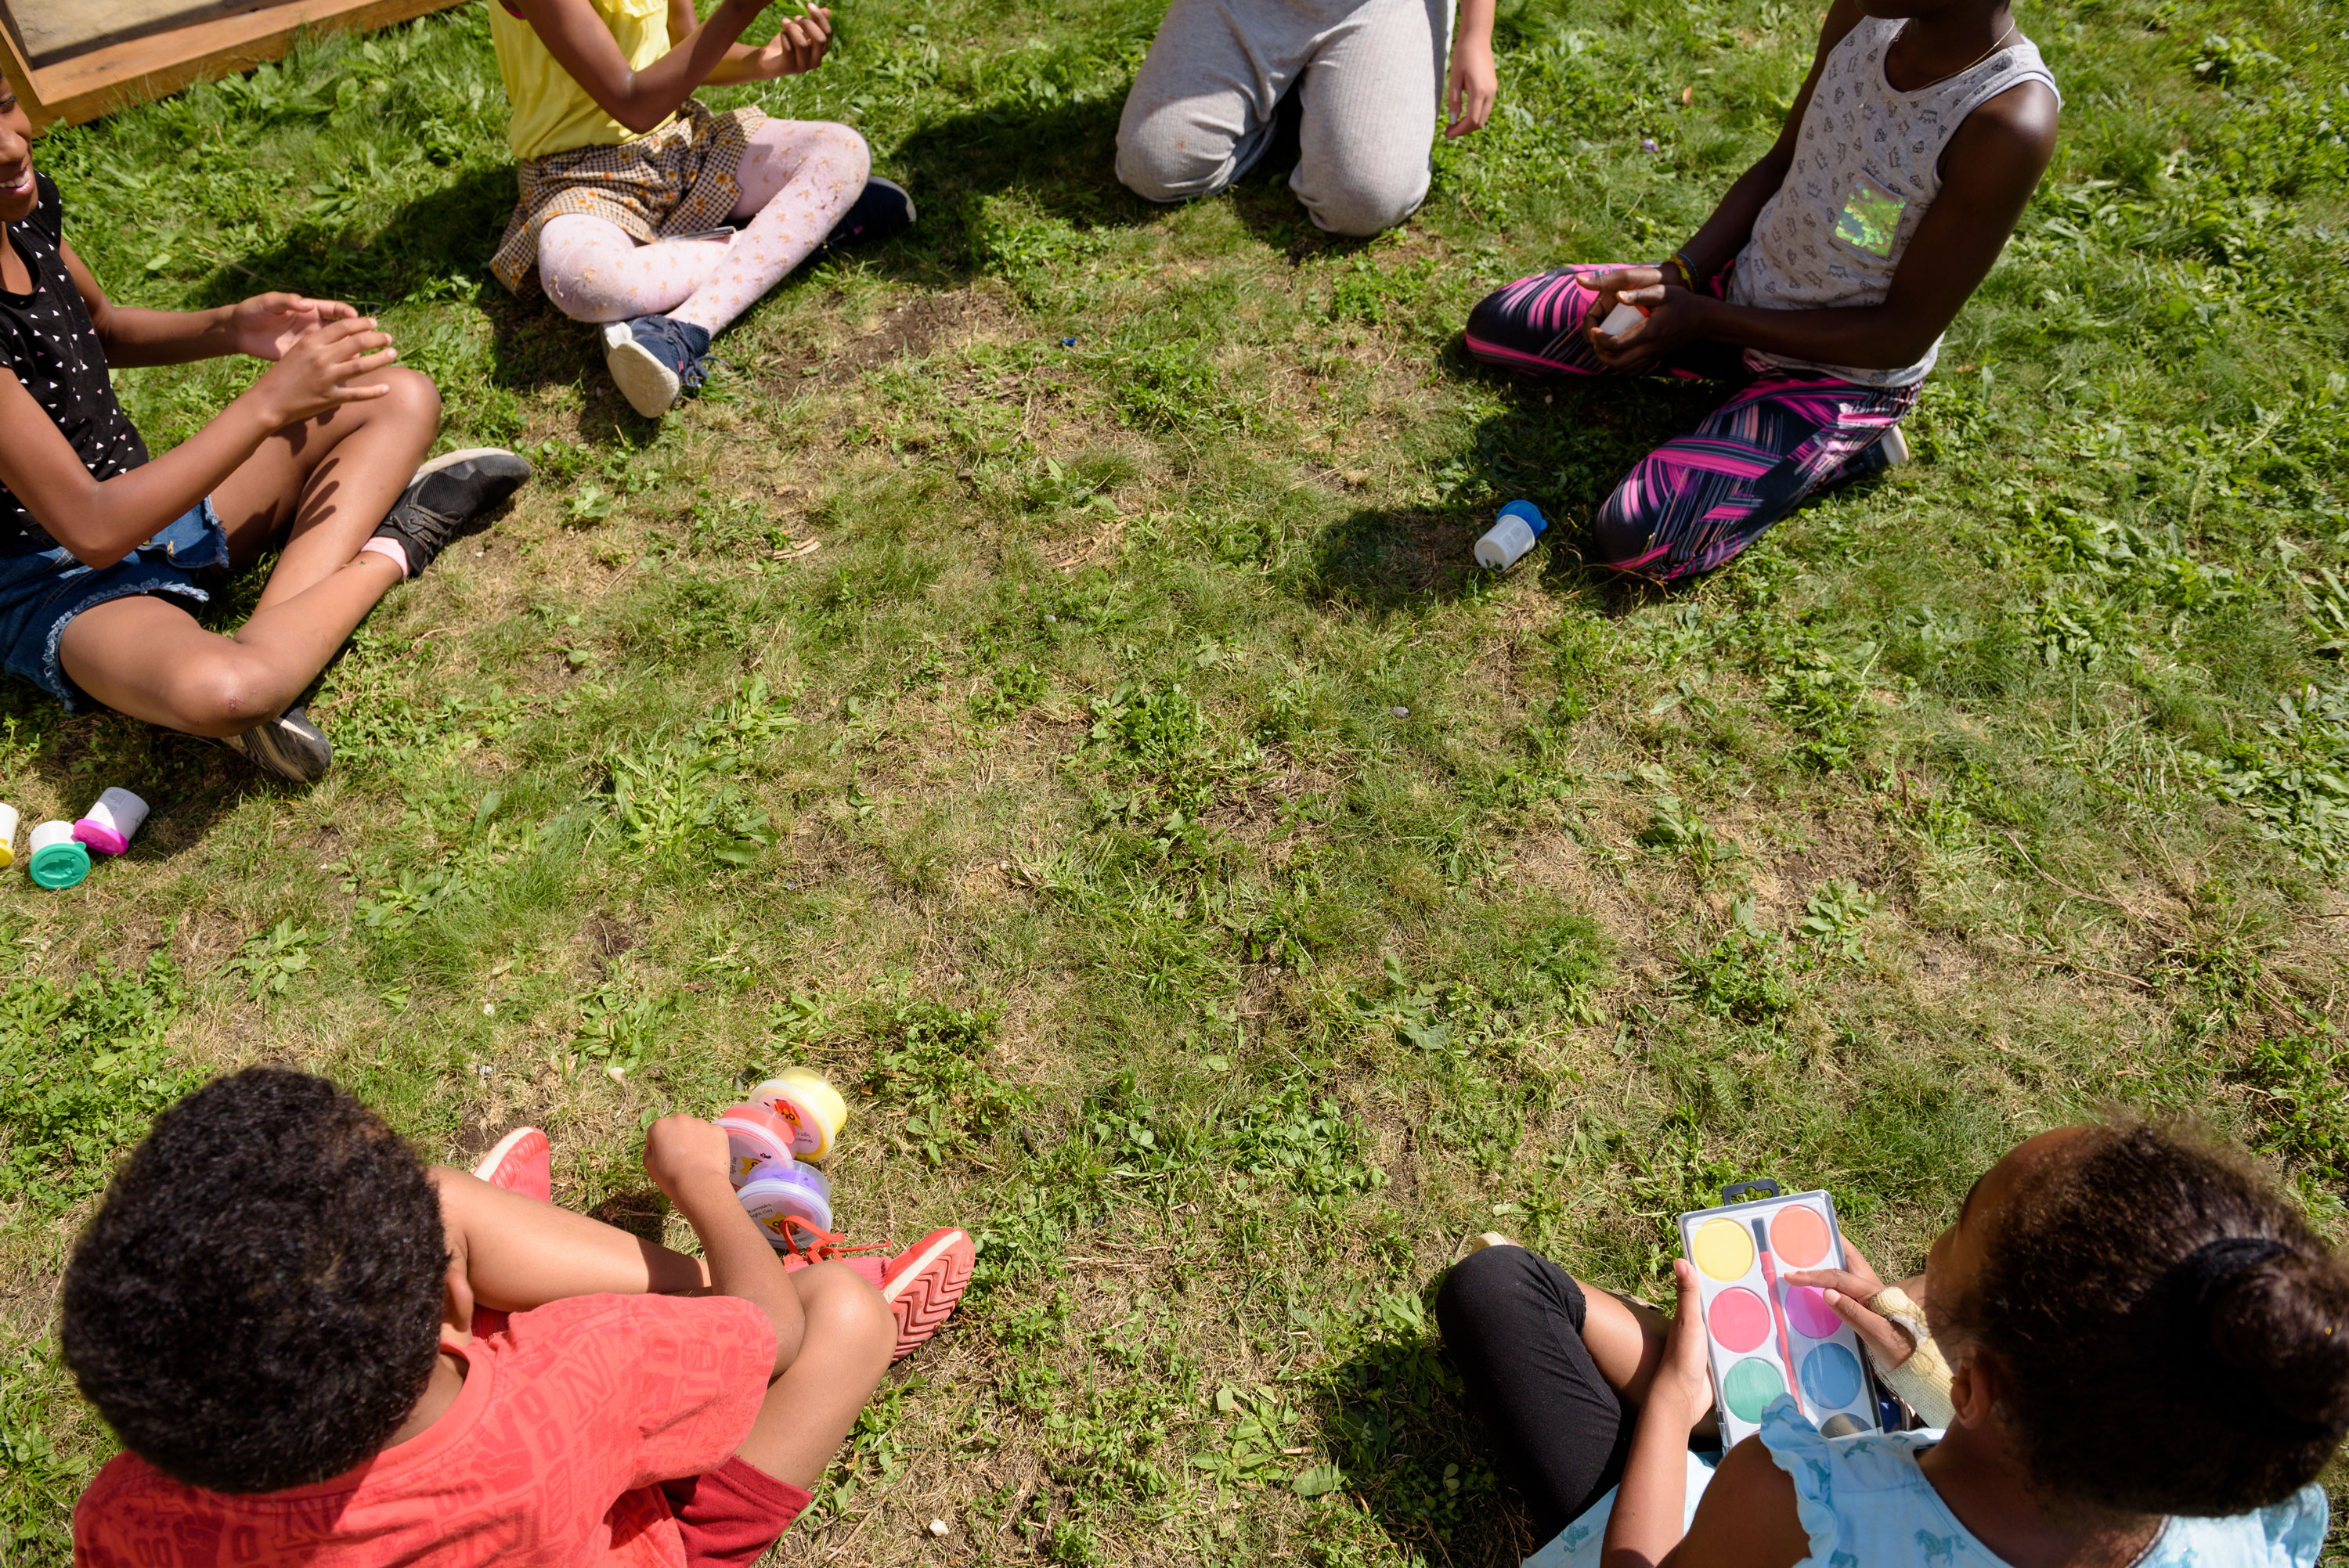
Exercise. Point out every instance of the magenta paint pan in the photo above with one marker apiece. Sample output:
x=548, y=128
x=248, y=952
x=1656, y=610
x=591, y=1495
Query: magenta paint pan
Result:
x=1764, y=1338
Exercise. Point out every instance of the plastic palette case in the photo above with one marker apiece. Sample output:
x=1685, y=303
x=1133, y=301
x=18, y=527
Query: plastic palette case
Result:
x=1759, y=1329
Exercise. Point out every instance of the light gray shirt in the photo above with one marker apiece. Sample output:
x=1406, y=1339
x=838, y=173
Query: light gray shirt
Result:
x=1865, y=172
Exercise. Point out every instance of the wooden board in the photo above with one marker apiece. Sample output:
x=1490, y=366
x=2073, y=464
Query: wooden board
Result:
x=96, y=55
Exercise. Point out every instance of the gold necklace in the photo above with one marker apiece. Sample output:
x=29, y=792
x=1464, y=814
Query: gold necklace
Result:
x=2011, y=31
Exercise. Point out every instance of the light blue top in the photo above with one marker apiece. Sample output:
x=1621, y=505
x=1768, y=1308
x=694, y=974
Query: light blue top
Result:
x=1863, y=1501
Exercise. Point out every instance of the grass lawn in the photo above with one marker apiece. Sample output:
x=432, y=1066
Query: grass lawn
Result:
x=1044, y=686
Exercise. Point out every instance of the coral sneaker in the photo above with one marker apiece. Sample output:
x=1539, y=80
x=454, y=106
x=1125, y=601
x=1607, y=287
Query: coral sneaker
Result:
x=922, y=1285
x=523, y=1162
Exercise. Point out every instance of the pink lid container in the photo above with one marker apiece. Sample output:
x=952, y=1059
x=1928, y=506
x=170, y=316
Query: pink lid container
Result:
x=755, y=1136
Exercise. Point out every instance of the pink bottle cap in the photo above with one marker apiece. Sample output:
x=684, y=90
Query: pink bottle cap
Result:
x=755, y=1136
x=112, y=824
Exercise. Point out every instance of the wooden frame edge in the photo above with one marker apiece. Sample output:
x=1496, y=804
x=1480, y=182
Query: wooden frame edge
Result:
x=88, y=86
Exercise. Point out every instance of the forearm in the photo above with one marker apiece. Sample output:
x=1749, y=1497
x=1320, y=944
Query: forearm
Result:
x=520, y=1253
x=1877, y=337
x=650, y=96
x=1716, y=245
x=736, y=67
x=102, y=521
x=740, y=1261
x=1474, y=28
x=134, y=337
x=1652, y=1504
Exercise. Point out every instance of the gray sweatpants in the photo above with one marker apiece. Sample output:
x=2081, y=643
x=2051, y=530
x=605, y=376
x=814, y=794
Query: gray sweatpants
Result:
x=1370, y=74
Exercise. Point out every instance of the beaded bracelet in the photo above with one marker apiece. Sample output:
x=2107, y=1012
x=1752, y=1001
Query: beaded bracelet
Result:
x=1688, y=273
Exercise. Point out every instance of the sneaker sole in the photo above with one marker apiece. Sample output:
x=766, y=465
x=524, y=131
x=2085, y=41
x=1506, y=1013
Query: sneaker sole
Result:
x=649, y=385
x=530, y=1144
x=280, y=760
x=466, y=455
x=925, y=1292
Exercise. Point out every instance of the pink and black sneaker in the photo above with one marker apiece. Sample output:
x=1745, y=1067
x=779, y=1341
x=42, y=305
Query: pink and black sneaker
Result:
x=523, y=1162
x=922, y=1284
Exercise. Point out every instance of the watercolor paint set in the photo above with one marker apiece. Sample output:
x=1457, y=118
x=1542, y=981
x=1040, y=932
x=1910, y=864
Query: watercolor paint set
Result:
x=1764, y=1338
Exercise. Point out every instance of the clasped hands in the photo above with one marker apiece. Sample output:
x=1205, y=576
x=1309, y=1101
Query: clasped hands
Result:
x=1675, y=318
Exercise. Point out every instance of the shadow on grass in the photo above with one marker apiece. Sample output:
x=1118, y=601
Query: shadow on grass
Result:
x=188, y=783
x=1412, y=1456
x=438, y=248
x=1563, y=443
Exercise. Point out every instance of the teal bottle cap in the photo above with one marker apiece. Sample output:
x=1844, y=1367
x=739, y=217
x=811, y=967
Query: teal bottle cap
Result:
x=59, y=865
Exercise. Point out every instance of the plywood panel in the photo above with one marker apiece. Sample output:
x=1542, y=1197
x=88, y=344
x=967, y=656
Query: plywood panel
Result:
x=83, y=84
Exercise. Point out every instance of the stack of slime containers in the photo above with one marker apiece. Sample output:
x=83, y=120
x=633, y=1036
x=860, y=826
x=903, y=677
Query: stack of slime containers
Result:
x=791, y=1118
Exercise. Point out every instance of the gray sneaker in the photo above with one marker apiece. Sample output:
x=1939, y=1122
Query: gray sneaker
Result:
x=448, y=497
x=288, y=746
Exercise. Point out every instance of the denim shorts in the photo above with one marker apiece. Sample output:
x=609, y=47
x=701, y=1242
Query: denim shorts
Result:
x=40, y=593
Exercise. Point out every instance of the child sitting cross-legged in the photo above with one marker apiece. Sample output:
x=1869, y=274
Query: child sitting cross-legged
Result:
x=632, y=191
x=319, y=1352
x=1818, y=290
x=2130, y=1351
x=101, y=550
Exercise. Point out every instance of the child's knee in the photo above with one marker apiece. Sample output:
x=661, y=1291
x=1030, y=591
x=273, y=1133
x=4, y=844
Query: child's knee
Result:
x=1169, y=158
x=1477, y=1285
x=854, y=153
x=1358, y=201
x=579, y=261
x=413, y=397
x=847, y=1317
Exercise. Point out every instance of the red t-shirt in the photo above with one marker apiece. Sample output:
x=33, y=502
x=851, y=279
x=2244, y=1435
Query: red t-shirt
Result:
x=548, y=1459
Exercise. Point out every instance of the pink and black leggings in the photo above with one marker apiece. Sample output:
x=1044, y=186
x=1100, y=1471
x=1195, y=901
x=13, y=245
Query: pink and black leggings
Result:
x=1696, y=501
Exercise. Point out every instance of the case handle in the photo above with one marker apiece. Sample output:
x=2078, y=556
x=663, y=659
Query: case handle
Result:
x=1736, y=1190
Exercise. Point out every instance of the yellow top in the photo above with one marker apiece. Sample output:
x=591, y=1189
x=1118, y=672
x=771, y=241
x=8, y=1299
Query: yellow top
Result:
x=552, y=112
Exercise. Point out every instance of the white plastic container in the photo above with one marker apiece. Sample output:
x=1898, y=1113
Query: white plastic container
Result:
x=755, y=1136
x=7, y=834
x=1622, y=318
x=1521, y=523
x=113, y=822
x=54, y=858
x=805, y=1098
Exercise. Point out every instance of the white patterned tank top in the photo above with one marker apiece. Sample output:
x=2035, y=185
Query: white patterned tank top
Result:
x=1865, y=170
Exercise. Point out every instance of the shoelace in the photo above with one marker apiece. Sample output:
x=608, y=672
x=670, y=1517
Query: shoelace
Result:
x=691, y=368
x=822, y=1246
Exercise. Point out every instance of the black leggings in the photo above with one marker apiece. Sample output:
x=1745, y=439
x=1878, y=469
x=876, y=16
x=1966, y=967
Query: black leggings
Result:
x=1513, y=1323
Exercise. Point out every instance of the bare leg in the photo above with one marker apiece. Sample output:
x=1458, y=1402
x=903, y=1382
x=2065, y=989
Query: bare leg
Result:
x=513, y=1254
x=517, y=1253
x=320, y=488
x=843, y=1352
x=1625, y=1338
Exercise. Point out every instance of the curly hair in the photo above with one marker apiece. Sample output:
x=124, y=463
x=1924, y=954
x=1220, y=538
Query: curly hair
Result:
x=256, y=1304
x=2155, y=1284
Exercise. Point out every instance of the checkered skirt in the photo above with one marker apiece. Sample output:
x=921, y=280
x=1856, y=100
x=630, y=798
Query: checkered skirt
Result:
x=678, y=180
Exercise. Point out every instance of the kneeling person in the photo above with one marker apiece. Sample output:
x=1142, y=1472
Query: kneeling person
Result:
x=1821, y=285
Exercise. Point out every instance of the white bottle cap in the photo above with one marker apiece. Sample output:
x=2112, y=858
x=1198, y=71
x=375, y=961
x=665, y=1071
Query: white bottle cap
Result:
x=1521, y=523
